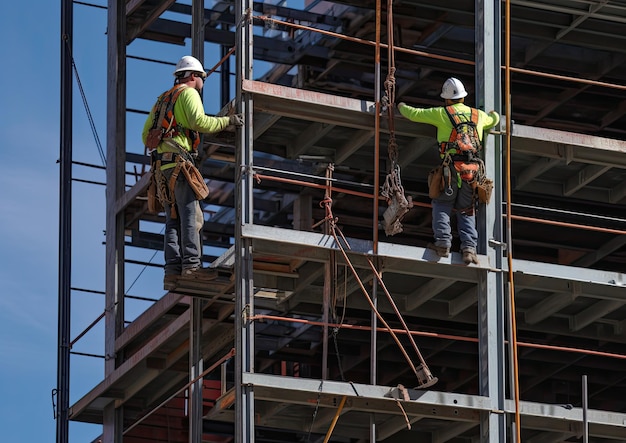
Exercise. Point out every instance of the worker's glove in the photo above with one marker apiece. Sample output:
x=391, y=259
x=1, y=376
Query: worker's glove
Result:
x=236, y=119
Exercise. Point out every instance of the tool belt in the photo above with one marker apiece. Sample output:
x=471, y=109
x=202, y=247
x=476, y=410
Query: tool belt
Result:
x=164, y=187
x=154, y=204
x=483, y=189
x=472, y=171
x=435, y=182
x=483, y=186
x=440, y=179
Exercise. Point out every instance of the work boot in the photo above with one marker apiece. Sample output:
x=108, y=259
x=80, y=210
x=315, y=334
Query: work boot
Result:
x=190, y=272
x=442, y=251
x=199, y=273
x=170, y=282
x=469, y=256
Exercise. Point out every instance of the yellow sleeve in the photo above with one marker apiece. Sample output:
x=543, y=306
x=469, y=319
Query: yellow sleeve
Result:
x=147, y=126
x=189, y=113
x=489, y=120
x=433, y=116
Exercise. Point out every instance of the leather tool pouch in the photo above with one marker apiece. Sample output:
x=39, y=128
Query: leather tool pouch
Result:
x=484, y=188
x=154, y=138
x=435, y=182
x=195, y=180
x=154, y=204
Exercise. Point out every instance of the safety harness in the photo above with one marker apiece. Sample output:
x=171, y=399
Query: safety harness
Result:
x=464, y=140
x=182, y=163
x=164, y=128
x=462, y=147
x=164, y=124
x=461, y=150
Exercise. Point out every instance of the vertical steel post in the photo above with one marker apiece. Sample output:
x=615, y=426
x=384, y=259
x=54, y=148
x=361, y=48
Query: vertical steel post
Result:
x=196, y=367
x=224, y=74
x=373, y=318
x=244, y=290
x=196, y=362
x=585, y=411
x=65, y=226
x=326, y=294
x=489, y=223
x=115, y=188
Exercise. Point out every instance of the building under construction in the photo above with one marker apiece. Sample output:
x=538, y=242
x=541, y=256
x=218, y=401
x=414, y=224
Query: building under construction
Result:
x=320, y=315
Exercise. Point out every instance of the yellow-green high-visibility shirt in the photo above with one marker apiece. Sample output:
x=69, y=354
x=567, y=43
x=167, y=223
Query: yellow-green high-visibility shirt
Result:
x=439, y=118
x=189, y=113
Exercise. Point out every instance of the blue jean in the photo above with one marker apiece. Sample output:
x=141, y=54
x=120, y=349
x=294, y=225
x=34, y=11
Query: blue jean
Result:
x=461, y=200
x=182, y=243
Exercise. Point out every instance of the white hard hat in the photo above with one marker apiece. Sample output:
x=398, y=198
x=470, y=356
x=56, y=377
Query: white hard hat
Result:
x=453, y=89
x=189, y=63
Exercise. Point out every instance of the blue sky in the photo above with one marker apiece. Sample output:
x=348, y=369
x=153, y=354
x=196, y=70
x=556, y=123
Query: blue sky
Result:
x=30, y=205
x=29, y=271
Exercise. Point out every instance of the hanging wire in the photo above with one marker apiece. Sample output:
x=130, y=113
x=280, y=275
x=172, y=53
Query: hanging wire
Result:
x=86, y=105
x=337, y=320
x=315, y=411
x=145, y=266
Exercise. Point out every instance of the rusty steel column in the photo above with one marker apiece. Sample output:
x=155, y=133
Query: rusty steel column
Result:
x=62, y=390
x=244, y=282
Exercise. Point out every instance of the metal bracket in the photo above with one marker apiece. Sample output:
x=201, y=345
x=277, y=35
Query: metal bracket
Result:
x=497, y=244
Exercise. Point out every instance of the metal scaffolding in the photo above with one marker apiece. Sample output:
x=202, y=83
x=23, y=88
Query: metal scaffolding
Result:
x=305, y=331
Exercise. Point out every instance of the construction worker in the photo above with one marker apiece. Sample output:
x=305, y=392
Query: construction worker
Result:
x=459, y=169
x=171, y=134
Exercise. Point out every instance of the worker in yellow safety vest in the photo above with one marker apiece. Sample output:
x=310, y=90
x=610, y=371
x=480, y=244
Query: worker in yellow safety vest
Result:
x=453, y=185
x=171, y=134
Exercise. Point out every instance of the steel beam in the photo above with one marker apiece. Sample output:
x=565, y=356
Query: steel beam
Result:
x=244, y=279
x=115, y=161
